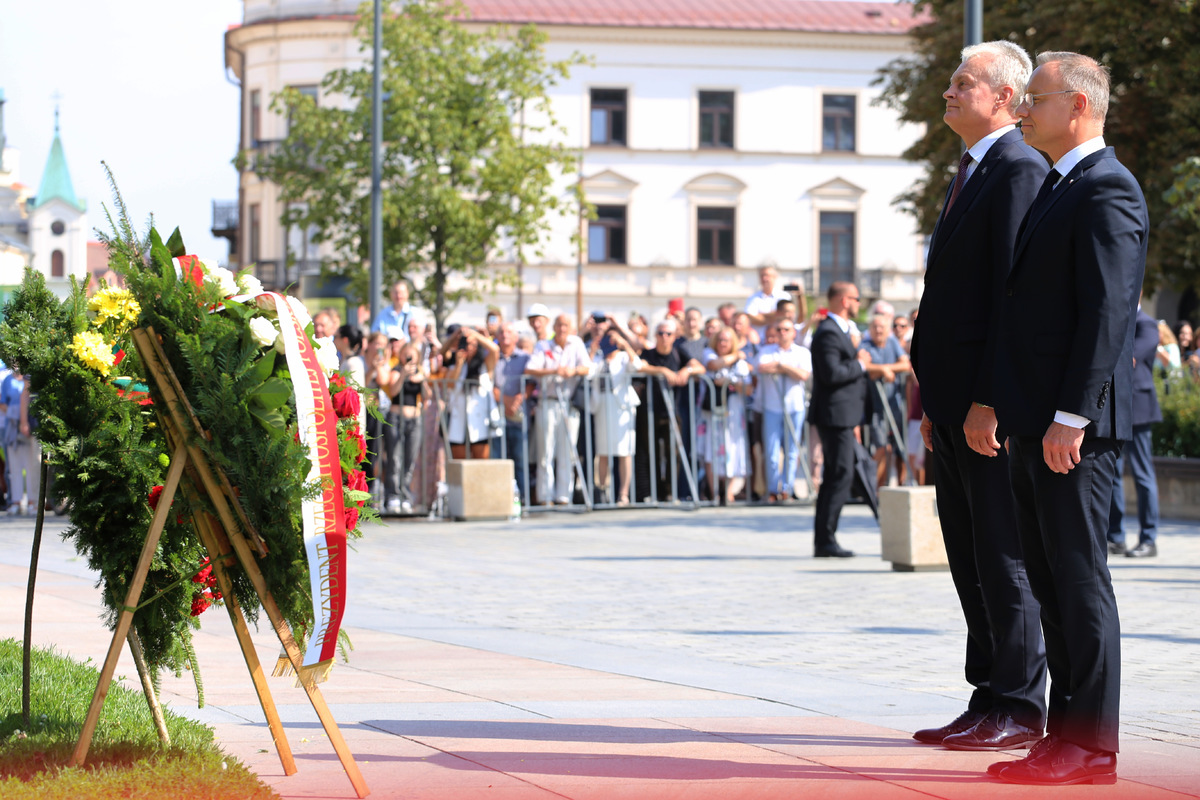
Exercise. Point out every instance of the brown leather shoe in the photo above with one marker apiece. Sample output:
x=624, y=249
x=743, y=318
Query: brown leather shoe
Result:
x=1064, y=764
x=996, y=731
x=966, y=720
x=1039, y=748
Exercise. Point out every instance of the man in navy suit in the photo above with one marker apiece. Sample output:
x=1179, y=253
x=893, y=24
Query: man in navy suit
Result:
x=1063, y=387
x=839, y=398
x=969, y=259
x=1146, y=412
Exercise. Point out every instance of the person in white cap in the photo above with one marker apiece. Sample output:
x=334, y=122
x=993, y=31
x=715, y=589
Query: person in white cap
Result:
x=539, y=320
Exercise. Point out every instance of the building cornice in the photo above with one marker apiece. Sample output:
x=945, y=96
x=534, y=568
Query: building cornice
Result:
x=710, y=37
x=275, y=30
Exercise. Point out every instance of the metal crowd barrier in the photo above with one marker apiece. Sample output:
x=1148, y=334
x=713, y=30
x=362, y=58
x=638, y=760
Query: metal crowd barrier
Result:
x=670, y=432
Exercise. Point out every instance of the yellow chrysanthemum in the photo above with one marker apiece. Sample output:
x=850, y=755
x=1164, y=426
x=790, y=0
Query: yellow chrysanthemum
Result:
x=114, y=304
x=95, y=353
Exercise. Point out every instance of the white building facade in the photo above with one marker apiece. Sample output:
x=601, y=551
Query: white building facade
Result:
x=711, y=143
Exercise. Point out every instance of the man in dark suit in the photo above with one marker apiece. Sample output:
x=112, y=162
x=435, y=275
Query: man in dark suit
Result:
x=1063, y=389
x=839, y=398
x=1138, y=452
x=969, y=259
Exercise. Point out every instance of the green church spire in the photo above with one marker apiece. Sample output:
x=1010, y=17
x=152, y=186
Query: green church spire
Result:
x=56, y=178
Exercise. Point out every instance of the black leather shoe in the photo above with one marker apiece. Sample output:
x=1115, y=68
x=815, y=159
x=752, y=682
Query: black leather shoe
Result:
x=1039, y=748
x=1116, y=548
x=1064, y=764
x=1146, y=549
x=966, y=720
x=997, y=731
x=833, y=551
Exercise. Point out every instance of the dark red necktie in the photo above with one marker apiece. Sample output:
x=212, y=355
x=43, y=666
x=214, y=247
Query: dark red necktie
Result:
x=960, y=178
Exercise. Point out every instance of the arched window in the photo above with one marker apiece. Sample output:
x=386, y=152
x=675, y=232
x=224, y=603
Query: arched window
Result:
x=57, y=269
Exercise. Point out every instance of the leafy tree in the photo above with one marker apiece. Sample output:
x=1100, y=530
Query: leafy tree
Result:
x=470, y=153
x=1152, y=49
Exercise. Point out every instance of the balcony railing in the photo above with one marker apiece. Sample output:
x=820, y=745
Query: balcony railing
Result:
x=225, y=218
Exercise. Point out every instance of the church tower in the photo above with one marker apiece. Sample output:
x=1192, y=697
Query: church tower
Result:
x=58, y=230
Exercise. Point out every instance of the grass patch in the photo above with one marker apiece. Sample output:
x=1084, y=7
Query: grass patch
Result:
x=126, y=759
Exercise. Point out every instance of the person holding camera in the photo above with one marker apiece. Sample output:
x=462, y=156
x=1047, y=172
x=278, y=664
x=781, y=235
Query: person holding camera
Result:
x=763, y=305
x=614, y=405
x=471, y=400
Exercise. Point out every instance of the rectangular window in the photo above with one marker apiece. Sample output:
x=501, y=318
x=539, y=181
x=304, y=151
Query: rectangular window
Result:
x=255, y=117
x=837, y=247
x=308, y=90
x=714, y=236
x=606, y=235
x=716, y=119
x=837, y=116
x=608, y=116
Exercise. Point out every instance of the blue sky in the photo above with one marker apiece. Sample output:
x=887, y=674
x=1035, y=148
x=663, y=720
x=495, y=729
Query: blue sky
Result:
x=142, y=86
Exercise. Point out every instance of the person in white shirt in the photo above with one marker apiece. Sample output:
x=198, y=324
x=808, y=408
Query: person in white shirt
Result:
x=782, y=370
x=559, y=363
x=763, y=305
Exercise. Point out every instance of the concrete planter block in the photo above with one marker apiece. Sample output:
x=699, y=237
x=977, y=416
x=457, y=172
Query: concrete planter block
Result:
x=910, y=530
x=1178, y=490
x=479, y=488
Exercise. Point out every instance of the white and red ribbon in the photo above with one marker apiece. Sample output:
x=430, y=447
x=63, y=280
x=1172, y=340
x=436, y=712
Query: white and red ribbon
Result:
x=323, y=517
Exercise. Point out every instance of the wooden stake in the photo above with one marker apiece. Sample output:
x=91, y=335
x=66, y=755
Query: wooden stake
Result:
x=139, y=660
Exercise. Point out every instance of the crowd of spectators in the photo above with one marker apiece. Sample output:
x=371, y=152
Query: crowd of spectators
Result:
x=694, y=408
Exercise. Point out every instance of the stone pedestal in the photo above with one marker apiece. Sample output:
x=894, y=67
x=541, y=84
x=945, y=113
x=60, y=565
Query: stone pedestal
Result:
x=479, y=488
x=911, y=533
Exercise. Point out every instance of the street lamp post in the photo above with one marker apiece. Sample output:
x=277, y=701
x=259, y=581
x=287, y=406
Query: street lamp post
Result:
x=972, y=22
x=376, y=289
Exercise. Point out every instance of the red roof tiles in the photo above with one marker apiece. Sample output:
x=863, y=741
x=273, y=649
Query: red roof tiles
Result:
x=826, y=16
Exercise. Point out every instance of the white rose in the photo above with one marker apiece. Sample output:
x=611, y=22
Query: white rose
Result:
x=223, y=279
x=263, y=331
x=327, y=354
x=299, y=310
x=250, y=284
x=266, y=305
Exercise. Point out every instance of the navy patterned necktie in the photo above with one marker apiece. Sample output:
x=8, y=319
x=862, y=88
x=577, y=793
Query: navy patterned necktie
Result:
x=959, y=179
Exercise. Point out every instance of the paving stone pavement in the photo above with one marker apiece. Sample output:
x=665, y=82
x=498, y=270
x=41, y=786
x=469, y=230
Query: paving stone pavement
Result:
x=649, y=654
x=738, y=586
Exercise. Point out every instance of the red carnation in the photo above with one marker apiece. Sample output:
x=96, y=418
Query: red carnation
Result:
x=357, y=481
x=155, y=493
x=337, y=382
x=204, y=576
x=350, y=515
x=200, y=604
x=346, y=403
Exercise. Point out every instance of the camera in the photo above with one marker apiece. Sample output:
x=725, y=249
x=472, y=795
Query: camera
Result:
x=791, y=287
x=599, y=316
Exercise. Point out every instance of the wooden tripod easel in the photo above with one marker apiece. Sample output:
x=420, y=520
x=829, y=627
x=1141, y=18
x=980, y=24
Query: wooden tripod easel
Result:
x=223, y=538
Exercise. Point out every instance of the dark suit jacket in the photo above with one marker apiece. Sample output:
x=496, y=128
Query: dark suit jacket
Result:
x=1066, y=337
x=1145, y=346
x=970, y=255
x=839, y=382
